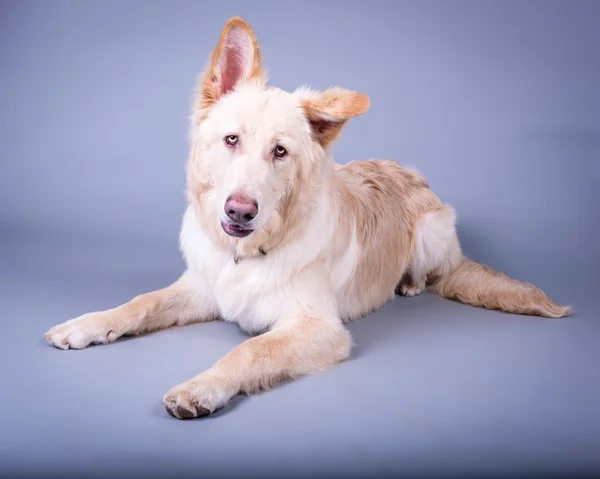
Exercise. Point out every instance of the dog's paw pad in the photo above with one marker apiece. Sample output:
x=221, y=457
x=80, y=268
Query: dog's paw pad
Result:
x=182, y=405
x=181, y=412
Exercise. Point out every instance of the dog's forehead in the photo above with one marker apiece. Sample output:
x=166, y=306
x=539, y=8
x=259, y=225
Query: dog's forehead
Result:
x=266, y=107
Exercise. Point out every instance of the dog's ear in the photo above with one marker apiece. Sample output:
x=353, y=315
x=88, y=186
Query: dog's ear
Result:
x=236, y=59
x=327, y=112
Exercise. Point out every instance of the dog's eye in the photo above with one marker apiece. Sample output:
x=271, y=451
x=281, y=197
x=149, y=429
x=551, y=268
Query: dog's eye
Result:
x=231, y=140
x=280, y=151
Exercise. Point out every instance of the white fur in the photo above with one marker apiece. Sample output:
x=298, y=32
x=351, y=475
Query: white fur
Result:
x=434, y=244
x=262, y=120
x=254, y=292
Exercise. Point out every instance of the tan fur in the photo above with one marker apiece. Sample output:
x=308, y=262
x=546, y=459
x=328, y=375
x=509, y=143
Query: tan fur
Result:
x=329, y=112
x=479, y=285
x=177, y=304
x=262, y=362
x=336, y=242
x=381, y=201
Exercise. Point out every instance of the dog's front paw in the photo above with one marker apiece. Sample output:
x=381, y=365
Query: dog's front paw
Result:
x=197, y=397
x=78, y=333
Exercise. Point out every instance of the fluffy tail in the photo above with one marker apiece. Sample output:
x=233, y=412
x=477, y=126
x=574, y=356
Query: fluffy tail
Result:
x=478, y=285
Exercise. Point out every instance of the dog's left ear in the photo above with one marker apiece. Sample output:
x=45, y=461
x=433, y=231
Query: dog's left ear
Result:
x=236, y=59
x=327, y=112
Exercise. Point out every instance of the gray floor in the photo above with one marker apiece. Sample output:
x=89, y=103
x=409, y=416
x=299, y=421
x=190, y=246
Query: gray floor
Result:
x=432, y=386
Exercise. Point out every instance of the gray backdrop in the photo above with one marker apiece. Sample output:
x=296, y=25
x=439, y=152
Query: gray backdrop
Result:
x=496, y=102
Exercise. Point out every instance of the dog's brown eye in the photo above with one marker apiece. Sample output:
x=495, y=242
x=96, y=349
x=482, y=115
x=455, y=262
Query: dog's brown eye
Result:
x=280, y=151
x=231, y=140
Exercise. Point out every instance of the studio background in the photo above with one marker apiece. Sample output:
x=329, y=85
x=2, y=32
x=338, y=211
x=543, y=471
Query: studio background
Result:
x=495, y=102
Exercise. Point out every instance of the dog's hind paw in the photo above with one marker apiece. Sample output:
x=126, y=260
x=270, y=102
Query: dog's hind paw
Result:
x=409, y=288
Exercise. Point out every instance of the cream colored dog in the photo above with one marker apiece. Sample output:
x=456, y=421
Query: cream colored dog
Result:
x=286, y=243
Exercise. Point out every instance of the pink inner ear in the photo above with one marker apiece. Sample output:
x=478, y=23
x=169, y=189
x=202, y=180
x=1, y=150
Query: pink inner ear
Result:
x=235, y=60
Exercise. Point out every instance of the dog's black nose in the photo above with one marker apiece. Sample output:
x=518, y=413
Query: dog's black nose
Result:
x=240, y=208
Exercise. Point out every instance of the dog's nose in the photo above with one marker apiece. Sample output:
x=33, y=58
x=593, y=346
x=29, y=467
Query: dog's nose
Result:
x=240, y=208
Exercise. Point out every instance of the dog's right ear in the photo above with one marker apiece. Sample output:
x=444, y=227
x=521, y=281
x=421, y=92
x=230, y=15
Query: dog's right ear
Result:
x=236, y=59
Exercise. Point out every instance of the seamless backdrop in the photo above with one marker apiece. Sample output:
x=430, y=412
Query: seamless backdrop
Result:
x=495, y=102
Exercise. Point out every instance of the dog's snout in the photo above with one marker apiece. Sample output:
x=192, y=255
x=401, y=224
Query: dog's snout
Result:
x=240, y=208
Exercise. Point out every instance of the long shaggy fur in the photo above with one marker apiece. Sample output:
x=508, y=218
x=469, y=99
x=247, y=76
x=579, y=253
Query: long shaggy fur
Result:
x=479, y=285
x=326, y=243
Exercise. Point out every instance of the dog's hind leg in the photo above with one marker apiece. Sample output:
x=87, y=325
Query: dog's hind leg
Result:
x=437, y=263
x=180, y=303
x=435, y=251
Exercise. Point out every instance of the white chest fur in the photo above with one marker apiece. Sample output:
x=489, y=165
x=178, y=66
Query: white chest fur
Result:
x=257, y=292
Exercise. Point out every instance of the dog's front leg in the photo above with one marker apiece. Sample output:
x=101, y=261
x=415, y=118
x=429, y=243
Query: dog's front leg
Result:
x=182, y=302
x=306, y=344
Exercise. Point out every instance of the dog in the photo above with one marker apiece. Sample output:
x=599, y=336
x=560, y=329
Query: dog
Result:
x=286, y=243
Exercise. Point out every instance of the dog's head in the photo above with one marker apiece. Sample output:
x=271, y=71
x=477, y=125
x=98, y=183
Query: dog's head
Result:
x=257, y=150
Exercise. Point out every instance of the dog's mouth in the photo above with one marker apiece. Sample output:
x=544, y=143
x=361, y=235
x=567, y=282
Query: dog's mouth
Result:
x=236, y=230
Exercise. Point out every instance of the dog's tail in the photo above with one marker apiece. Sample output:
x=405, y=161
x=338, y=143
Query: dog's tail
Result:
x=479, y=285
